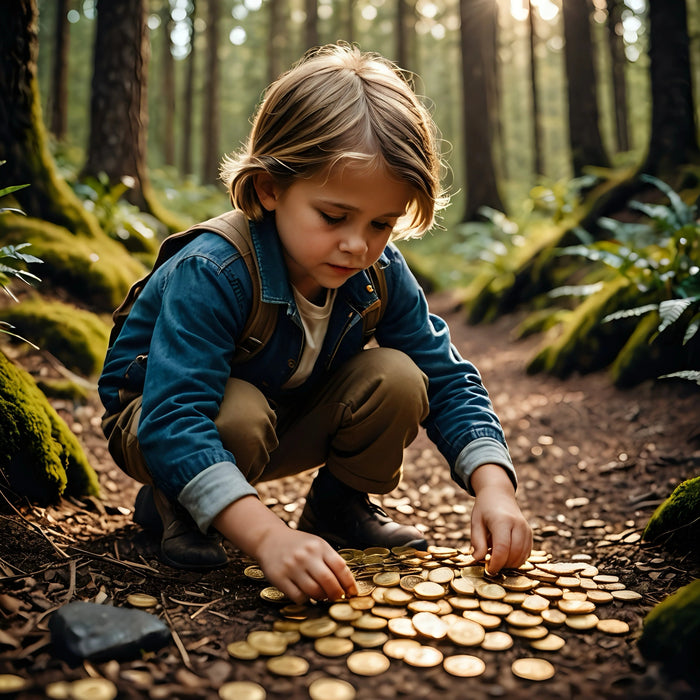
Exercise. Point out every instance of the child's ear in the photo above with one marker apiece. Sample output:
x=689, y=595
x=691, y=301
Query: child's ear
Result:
x=267, y=190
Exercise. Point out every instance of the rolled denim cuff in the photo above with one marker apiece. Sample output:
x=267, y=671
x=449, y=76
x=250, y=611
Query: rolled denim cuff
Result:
x=483, y=450
x=212, y=490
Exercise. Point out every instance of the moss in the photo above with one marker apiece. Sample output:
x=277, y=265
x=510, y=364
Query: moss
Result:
x=676, y=522
x=78, y=338
x=98, y=271
x=63, y=389
x=671, y=633
x=39, y=455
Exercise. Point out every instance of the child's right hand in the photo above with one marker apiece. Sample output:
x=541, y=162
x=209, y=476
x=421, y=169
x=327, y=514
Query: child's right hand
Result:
x=304, y=566
x=301, y=565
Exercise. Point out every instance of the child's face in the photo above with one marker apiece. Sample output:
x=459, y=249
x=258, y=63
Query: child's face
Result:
x=331, y=227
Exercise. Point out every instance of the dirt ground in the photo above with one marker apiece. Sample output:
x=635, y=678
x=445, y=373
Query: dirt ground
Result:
x=593, y=463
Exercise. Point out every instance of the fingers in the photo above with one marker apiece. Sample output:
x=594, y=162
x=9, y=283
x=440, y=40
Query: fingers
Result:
x=479, y=539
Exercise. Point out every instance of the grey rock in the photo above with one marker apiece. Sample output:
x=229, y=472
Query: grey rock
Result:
x=95, y=632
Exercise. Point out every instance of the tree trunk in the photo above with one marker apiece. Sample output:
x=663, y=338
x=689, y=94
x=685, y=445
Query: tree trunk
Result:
x=23, y=142
x=405, y=33
x=168, y=78
x=618, y=63
x=673, y=141
x=478, y=28
x=210, y=125
x=188, y=97
x=350, y=26
x=276, y=40
x=59, y=77
x=311, y=24
x=118, y=114
x=534, y=88
x=584, y=131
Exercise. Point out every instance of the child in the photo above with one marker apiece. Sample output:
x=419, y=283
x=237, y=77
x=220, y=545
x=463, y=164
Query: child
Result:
x=342, y=159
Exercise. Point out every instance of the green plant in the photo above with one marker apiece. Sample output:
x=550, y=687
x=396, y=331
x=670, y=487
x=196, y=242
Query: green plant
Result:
x=13, y=263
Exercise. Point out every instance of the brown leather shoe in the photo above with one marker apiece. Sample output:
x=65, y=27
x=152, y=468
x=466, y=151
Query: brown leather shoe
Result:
x=345, y=517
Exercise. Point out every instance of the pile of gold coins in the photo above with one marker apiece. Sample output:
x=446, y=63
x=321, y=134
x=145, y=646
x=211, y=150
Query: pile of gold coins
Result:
x=409, y=601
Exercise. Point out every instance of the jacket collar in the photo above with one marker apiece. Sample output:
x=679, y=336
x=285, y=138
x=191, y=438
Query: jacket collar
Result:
x=358, y=291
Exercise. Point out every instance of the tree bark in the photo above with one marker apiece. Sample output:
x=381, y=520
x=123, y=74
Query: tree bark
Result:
x=276, y=40
x=168, y=78
x=311, y=24
x=478, y=28
x=23, y=141
x=188, y=97
x=118, y=114
x=210, y=126
x=673, y=140
x=618, y=63
x=584, y=131
x=59, y=77
x=534, y=89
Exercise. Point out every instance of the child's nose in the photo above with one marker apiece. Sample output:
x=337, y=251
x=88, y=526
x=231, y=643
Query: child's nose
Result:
x=354, y=242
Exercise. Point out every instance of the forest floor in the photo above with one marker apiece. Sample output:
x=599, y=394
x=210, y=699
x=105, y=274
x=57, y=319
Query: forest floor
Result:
x=593, y=462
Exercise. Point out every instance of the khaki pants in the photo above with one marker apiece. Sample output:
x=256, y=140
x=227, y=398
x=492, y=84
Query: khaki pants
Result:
x=358, y=425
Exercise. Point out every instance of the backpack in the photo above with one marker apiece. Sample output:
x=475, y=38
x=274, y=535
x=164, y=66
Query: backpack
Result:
x=233, y=226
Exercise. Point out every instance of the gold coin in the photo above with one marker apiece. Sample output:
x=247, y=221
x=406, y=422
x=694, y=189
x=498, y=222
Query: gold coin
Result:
x=10, y=683
x=429, y=625
x=495, y=607
x=364, y=587
x=320, y=627
x=462, y=586
x=490, y=591
x=520, y=618
x=368, y=639
x=343, y=631
x=423, y=657
x=402, y=627
x=443, y=574
x=582, y=622
x=424, y=606
x=397, y=596
x=466, y=633
x=549, y=592
x=267, y=642
x=535, y=604
x=93, y=689
x=497, y=641
x=387, y=578
x=242, y=650
x=368, y=663
x=561, y=568
x=241, y=690
x=295, y=611
x=552, y=642
x=624, y=594
x=367, y=621
x=272, y=594
x=286, y=625
x=59, y=690
x=536, y=632
x=473, y=572
x=552, y=616
x=377, y=552
x=442, y=552
x=606, y=578
x=568, y=582
x=488, y=622
x=611, y=626
x=254, y=572
x=388, y=612
x=351, y=555
x=574, y=595
x=532, y=669
x=331, y=689
x=515, y=597
x=141, y=600
x=409, y=582
x=287, y=665
x=333, y=646
x=429, y=590
x=397, y=648
x=459, y=602
x=344, y=612
x=599, y=597
x=518, y=583
x=576, y=607
x=464, y=666
x=361, y=602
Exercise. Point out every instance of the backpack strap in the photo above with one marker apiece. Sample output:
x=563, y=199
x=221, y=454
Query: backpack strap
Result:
x=233, y=226
x=373, y=314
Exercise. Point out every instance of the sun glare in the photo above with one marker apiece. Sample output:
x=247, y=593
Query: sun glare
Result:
x=546, y=9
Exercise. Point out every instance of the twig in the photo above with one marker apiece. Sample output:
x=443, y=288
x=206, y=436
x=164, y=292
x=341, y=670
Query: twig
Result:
x=131, y=565
x=71, y=588
x=176, y=637
x=204, y=607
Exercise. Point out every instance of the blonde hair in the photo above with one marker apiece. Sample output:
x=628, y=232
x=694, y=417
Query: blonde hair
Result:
x=336, y=104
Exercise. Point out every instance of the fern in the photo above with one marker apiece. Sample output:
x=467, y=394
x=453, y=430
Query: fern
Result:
x=690, y=374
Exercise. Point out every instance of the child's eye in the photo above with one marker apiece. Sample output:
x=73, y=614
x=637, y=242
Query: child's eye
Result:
x=382, y=225
x=332, y=220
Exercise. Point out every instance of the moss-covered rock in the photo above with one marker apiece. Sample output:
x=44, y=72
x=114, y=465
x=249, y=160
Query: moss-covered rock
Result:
x=671, y=633
x=78, y=338
x=39, y=455
x=98, y=270
x=676, y=522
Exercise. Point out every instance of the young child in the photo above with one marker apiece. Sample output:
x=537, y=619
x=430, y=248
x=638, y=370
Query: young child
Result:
x=342, y=159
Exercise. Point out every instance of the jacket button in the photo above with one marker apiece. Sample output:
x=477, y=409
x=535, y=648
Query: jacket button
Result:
x=291, y=363
x=369, y=288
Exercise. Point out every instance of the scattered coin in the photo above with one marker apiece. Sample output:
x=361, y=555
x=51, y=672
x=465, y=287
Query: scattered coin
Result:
x=333, y=646
x=611, y=626
x=576, y=607
x=141, y=600
x=626, y=595
x=272, y=594
x=387, y=578
x=10, y=683
x=552, y=642
x=497, y=641
x=59, y=690
x=397, y=648
x=423, y=656
x=93, y=689
x=331, y=689
x=344, y=612
x=532, y=669
x=320, y=627
x=466, y=633
x=582, y=622
x=254, y=572
x=402, y=627
x=241, y=690
x=429, y=590
x=369, y=640
x=464, y=666
x=242, y=650
x=429, y=625
x=368, y=663
x=287, y=665
x=268, y=642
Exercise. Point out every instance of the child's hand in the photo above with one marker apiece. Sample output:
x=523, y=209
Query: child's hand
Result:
x=301, y=565
x=304, y=566
x=497, y=523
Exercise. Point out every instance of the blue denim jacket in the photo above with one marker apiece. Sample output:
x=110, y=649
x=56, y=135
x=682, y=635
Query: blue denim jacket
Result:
x=186, y=321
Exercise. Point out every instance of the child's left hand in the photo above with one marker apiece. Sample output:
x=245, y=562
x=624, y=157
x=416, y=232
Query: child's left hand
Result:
x=497, y=524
